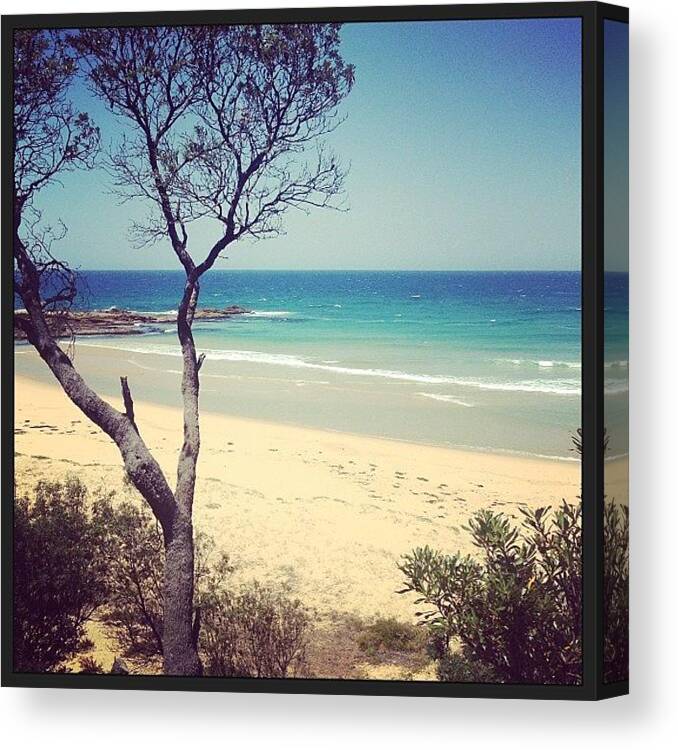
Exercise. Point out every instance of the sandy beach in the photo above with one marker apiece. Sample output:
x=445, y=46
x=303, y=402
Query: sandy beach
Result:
x=328, y=514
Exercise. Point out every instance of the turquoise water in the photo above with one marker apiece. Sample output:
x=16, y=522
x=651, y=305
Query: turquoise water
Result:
x=475, y=360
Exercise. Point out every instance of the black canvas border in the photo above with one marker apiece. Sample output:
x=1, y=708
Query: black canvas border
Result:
x=607, y=13
x=591, y=15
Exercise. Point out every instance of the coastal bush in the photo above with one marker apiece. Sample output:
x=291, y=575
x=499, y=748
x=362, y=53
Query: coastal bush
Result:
x=77, y=556
x=257, y=632
x=390, y=634
x=615, y=580
x=60, y=575
x=135, y=554
x=514, y=613
x=89, y=665
x=133, y=615
x=455, y=667
x=616, y=591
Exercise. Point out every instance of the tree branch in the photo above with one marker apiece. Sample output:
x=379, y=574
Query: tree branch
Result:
x=127, y=400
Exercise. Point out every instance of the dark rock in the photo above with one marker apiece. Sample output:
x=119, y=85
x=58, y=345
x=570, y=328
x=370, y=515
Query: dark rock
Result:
x=116, y=321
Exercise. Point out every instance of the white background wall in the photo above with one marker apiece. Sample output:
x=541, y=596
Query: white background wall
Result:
x=647, y=718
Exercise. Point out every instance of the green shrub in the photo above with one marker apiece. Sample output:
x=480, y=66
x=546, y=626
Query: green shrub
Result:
x=615, y=580
x=133, y=614
x=60, y=575
x=455, y=667
x=135, y=553
x=75, y=556
x=89, y=665
x=517, y=610
x=616, y=591
x=390, y=634
x=257, y=632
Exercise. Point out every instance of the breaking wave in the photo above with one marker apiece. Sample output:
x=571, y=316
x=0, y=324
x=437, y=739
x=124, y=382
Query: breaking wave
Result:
x=561, y=387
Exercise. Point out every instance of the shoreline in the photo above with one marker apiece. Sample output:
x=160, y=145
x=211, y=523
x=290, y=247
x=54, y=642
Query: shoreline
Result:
x=358, y=404
x=458, y=449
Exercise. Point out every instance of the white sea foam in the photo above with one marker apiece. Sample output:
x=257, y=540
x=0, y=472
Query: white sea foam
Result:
x=563, y=387
x=143, y=312
x=615, y=387
x=544, y=363
x=511, y=452
x=251, y=314
x=268, y=314
x=447, y=399
x=152, y=369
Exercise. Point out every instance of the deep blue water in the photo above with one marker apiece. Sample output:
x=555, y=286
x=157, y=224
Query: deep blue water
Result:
x=493, y=318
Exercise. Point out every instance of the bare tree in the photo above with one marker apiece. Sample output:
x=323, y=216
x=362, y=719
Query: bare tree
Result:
x=50, y=138
x=218, y=125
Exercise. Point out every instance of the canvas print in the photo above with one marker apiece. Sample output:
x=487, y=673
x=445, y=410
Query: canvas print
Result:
x=616, y=353
x=297, y=349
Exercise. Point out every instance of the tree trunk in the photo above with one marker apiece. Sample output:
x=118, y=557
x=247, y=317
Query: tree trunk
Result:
x=180, y=654
x=179, y=551
x=173, y=510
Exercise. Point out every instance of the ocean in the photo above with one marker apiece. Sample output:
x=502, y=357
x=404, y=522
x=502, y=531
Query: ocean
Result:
x=485, y=361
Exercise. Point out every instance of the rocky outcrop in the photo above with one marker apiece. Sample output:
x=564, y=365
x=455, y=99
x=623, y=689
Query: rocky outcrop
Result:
x=121, y=322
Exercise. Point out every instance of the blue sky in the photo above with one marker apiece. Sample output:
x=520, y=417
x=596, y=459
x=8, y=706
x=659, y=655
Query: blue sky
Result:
x=463, y=139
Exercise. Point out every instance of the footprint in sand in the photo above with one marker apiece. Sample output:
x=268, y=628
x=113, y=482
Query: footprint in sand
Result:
x=422, y=479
